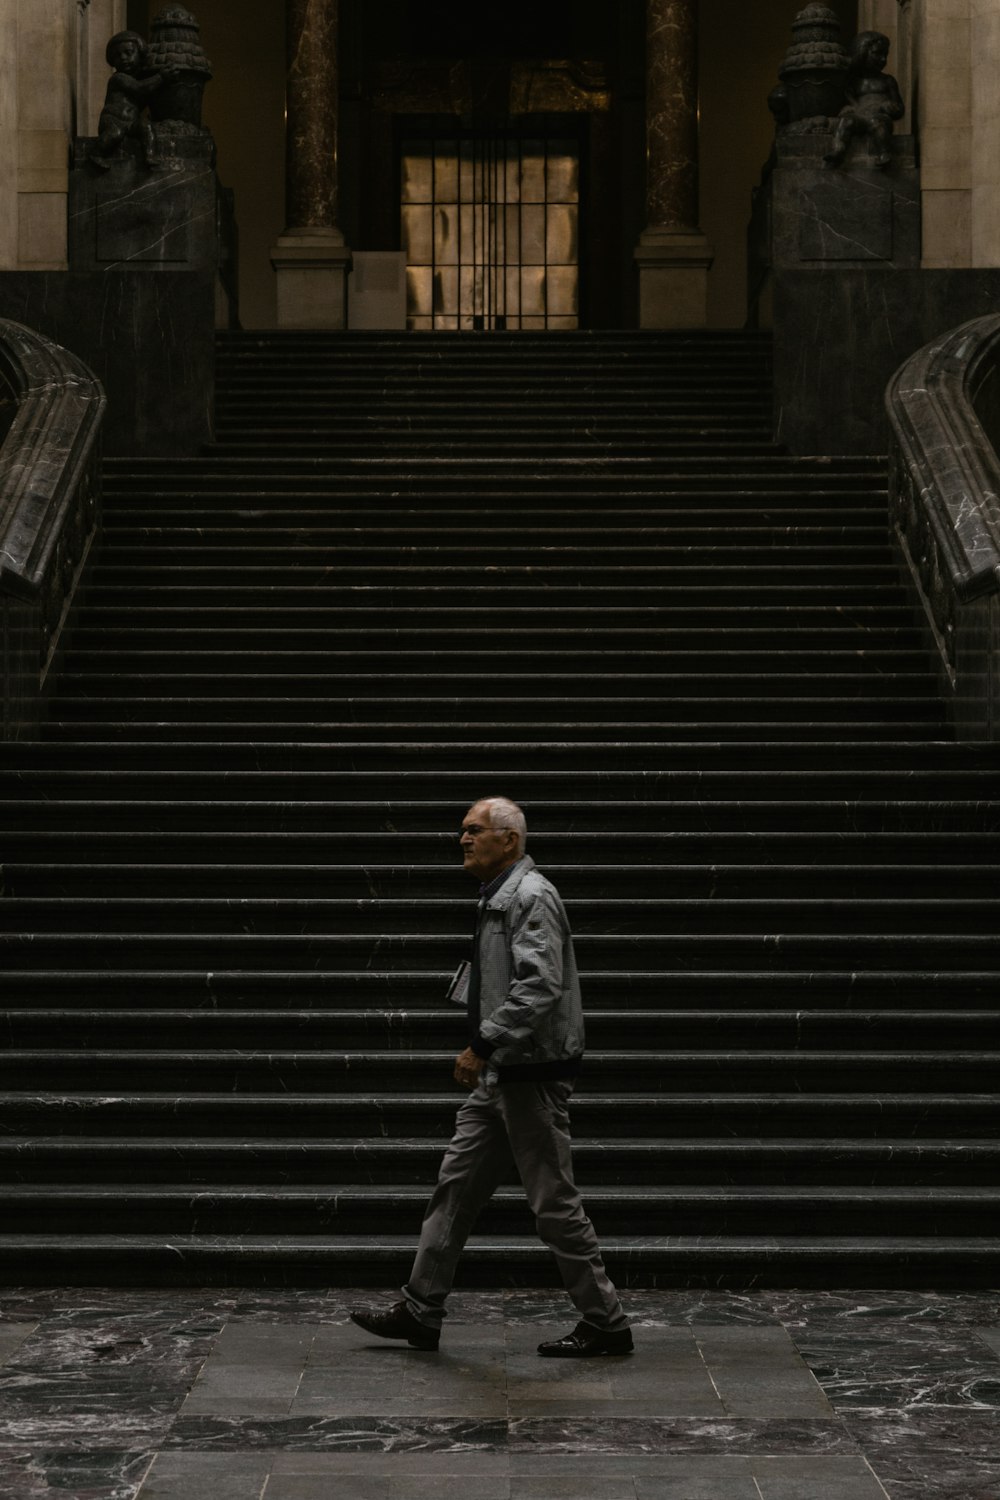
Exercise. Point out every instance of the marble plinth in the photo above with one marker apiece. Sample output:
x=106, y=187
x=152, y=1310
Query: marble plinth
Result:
x=149, y=339
x=132, y=216
x=845, y=216
x=311, y=266
x=841, y=332
x=673, y=268
x=376, y=296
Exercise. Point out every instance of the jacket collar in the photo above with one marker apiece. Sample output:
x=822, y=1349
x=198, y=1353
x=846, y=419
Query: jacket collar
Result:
x=503, y=897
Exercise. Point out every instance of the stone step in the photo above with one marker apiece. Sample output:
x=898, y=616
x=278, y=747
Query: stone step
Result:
x=639, y=819
x=230, y=881
x=762, y=472
x=603, y=914
x=848, y=991
x=822, y=725
x=189, y=654
x=444, y=453
x=925, y=1164
x=349, y=1209
x=341, y=558
x=521, y=415
x=716, y=571
x=416, y=410
x=715, y=882
x=845, y=846
x=748, y=497
x=874, y=618
x=953, y=951
x=607, y=790
x=310, y=1071
x=924, y=760
x=400, y=1030
x=130, y=1115
x=515, y=369
x=260, y=716
x=178, y=520
x=383, y=1259
x=614, y=694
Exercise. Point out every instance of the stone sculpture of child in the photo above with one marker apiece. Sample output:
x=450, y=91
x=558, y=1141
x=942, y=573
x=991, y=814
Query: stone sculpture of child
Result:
x=129, y=87
x=873, y=100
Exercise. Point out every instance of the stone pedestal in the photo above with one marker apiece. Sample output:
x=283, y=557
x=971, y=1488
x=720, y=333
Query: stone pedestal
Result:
x=312, y=267
x=150, y=220
x=139, y=304
x=841, y=333
x=841, y=247
x=673, y=278
x=376, y=292
x=852, y=216
x=150, y=340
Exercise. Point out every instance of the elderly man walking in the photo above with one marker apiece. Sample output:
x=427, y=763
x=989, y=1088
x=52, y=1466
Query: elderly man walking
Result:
x=525, y=1047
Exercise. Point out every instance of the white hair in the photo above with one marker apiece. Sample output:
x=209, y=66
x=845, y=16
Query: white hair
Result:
x=507, y=814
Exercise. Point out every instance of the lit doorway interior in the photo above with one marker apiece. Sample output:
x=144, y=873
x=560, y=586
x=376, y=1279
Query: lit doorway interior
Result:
x=490, y=226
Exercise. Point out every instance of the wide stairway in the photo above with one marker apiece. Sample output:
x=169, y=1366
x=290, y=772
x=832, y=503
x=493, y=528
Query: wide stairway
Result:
x=572, y=570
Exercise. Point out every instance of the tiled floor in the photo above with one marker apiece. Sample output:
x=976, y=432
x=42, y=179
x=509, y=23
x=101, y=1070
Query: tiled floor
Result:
x=238, y=1395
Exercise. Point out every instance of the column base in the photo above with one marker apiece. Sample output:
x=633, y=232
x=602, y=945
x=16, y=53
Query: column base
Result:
x=311, y=267
x=673, y=278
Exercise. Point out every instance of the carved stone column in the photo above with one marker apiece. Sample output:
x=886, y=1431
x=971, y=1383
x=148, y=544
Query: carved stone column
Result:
x=311, y=258
x=673, y=256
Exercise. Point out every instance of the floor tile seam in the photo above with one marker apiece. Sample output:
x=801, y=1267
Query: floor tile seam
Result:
x=875, y=1478
x=699, y=1346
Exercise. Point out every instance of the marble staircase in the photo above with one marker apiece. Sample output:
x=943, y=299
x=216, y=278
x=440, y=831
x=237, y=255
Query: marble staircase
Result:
x=574, y=570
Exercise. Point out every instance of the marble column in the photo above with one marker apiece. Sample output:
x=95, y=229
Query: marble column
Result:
x=673, y=256
x=310, y=258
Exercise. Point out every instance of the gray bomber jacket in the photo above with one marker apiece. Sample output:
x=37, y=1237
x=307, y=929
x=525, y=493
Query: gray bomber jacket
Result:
x=530, y=1008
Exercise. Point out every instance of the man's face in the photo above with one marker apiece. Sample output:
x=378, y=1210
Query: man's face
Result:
x=486, y=850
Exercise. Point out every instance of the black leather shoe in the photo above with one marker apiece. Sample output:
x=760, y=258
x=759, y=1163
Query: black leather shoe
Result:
x=585, y=1342
x=396, y=1323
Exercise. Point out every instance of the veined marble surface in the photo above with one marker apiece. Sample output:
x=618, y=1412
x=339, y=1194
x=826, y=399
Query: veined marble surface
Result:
x=121, y=1394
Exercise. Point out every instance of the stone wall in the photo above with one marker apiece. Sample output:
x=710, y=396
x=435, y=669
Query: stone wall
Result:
x=958, y=63
x=52, y=82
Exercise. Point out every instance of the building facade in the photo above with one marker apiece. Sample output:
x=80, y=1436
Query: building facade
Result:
x=660, y=105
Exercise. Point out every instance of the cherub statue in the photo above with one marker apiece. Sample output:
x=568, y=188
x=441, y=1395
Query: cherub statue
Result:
x=129, y=87
x=873, y=100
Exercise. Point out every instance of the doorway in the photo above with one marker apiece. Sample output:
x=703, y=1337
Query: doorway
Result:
x=490, y=222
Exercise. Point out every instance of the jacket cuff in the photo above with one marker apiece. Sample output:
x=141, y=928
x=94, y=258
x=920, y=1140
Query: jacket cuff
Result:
x=481, y=1047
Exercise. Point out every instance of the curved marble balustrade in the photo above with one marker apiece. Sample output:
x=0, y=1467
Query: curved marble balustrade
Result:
x=944, y=484
x=49, y=510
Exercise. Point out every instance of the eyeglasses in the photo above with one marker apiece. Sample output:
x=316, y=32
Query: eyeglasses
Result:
x=475, y=829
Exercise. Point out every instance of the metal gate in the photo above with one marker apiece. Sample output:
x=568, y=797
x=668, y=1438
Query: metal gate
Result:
x=490, y=227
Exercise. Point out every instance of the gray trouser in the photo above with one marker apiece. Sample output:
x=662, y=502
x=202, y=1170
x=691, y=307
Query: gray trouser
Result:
x=532, y=1121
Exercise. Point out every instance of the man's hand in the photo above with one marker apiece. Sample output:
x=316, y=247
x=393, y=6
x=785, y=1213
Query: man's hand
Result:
x=468, y=1068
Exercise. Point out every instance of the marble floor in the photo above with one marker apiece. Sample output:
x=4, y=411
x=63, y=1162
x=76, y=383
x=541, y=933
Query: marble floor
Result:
x=273, y=1395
